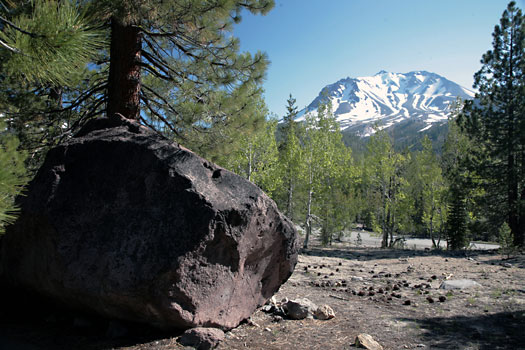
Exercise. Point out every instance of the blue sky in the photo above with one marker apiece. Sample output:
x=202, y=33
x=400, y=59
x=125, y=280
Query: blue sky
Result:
x=313, y=43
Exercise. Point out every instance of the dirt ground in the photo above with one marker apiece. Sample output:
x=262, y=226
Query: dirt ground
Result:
x=393, y=295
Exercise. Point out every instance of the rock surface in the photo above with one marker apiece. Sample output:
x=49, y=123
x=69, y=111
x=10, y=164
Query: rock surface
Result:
x=366, y=341
x=202, y=338
x=324, y=312
x=125, y=223
x=459, y=284
x=300, y=308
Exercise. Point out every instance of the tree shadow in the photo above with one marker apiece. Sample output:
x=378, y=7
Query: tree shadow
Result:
x=503, y=330
x=364, y=254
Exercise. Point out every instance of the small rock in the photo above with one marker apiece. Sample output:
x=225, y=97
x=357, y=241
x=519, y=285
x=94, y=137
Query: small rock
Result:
x=430, y=300
x=300, y=308
x=325, y=312
x=357, y=278
x=507, y=265
x=361, y=293
x=421, y=346
x=407, y=302
x=442, y=298
x=268, y=308
x=459, y=284
x=202, y=338
x=366, y=341
x=267, y=329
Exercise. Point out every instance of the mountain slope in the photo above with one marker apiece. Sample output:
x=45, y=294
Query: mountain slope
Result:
x=389, y=99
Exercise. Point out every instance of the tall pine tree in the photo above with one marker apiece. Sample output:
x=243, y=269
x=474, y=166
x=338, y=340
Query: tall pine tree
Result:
x=497, y=119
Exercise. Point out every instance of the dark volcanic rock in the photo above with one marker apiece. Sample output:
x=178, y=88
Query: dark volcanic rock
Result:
x=123, y=222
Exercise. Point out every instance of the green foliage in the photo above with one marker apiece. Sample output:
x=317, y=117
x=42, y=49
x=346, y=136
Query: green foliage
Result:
x=506, y=240
x=290, y=160
x=328, y=166
x=51, y=43
x=496, y=121
x=385, y=184
x=432, y=191
x=257, y=158
x=12, y=176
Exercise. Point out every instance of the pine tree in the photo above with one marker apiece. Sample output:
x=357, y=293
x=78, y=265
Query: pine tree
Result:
x=172, y=65
x=497, y=119
x=290, y=157
x=459, y=181
x=45, y=46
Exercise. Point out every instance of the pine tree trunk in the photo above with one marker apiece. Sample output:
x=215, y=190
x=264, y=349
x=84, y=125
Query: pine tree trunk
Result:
x=519, y=237
x=124, y=71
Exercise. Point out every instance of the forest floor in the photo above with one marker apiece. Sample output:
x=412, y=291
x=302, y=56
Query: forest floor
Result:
x=490, y=316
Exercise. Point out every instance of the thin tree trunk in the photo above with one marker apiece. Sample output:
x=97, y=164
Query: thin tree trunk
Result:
x=384, y=242
x=124, y=71
x=308, y=221
x=289, y=206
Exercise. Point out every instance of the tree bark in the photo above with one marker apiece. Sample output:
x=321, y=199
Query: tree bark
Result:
x=124, y=70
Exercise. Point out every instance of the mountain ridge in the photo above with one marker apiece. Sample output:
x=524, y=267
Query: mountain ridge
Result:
x=387, y=99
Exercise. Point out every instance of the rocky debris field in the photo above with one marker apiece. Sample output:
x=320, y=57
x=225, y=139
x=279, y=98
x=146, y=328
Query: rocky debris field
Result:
x=403, y=299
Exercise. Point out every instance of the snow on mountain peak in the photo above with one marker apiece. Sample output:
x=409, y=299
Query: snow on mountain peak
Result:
x=388, y=98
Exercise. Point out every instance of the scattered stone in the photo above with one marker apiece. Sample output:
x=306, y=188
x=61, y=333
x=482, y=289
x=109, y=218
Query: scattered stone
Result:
x=434, y=277
x=407, y=302
x=324, y=312
x=202, y=338
x=361, y=293
x=430, y=299
x=366, y=341
x=300, y=309
x=507, y=265
x=459, y=284
x=421, y=346
x=357, y=278
x=442, y=298
x=125, y=223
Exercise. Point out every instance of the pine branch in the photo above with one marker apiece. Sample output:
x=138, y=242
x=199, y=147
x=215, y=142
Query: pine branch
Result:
x=15, y=27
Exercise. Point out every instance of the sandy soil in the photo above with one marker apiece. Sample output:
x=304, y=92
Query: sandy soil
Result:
x=358, y=284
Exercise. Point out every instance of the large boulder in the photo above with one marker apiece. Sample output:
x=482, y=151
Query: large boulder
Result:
x=125, y=223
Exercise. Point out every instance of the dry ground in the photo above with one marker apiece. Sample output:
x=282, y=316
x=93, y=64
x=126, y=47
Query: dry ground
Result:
x=488, y=317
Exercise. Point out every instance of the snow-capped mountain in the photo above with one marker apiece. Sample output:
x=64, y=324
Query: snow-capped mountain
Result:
x=387, y=99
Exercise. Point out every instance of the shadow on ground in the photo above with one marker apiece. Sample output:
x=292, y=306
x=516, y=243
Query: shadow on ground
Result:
x=502, y=330
x=357, y=253
x=29, y=322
